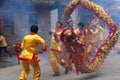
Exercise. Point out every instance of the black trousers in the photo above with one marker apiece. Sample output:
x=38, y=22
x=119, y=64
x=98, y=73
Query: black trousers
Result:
x=5, y=50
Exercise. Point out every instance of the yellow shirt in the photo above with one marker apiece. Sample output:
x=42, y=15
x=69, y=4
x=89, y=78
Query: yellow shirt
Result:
x=2, y=41
x=30, y=46
x=56, y=45
x=80, y=35
x=98, y=34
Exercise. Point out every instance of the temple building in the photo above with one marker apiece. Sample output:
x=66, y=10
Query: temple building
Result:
x=16, y=16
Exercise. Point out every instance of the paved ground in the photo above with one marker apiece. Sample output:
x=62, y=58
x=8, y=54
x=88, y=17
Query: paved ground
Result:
x=110, y=70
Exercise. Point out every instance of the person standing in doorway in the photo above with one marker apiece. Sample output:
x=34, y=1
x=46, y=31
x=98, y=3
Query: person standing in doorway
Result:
x=3, y=45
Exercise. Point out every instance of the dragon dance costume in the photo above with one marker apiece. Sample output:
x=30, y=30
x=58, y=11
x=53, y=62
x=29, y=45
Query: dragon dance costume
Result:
x=66, y=50
x=81, y=64
x=70, y=39
x=29, y=55
x=55, y=51
x=77, y=41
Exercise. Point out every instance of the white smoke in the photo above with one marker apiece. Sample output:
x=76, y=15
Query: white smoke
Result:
x=116, y=0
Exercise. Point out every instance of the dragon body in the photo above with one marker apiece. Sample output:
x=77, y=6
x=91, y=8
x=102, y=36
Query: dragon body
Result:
x=78, y=57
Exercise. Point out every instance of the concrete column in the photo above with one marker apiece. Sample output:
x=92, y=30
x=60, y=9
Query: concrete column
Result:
x=54, y=18
x=75, y=17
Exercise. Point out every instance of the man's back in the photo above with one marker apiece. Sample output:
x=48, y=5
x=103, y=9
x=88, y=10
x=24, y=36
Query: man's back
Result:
x=30, y=43
x=30, y=46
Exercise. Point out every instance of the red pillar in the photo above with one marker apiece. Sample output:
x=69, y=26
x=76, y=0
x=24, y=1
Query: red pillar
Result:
x=1, y=21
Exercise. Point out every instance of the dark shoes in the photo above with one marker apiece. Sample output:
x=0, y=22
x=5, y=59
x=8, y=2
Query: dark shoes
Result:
x=56, y=74
x=67, y=70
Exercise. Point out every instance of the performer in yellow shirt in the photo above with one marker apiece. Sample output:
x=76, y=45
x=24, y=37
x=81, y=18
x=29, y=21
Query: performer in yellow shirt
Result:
x=83, y=35
x=97, y=36
x=29, y=55
x=66, y=50
x=56, y=50
x=3, y=45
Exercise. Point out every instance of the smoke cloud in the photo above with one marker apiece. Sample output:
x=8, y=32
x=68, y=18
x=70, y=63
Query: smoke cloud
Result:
x=16, y=15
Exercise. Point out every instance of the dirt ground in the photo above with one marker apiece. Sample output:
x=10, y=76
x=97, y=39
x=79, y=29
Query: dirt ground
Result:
x=110, y=70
